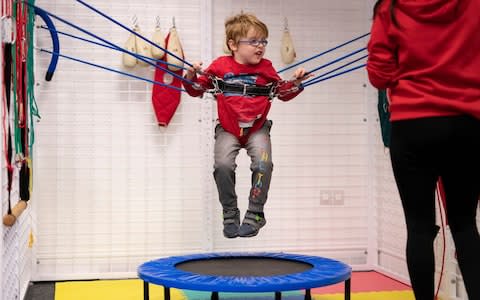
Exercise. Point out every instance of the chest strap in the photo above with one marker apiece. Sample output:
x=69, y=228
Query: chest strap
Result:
x=247, y=89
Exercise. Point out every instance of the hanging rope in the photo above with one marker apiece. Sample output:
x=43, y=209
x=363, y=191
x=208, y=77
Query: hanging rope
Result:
x=33, y=108
x=7, y=12
x=21, y=79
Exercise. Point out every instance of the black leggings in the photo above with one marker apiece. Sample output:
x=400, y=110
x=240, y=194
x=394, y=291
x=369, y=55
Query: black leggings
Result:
x=422, y=151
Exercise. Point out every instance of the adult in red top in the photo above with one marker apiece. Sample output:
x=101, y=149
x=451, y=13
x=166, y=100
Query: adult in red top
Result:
x=243, y=118
x=427, y=55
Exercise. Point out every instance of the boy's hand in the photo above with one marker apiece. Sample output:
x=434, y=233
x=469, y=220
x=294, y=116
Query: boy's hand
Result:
x=300, y=75
x=197, y=68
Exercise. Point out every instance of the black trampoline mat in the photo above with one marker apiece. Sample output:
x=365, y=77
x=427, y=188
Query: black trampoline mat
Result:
x=244, y=266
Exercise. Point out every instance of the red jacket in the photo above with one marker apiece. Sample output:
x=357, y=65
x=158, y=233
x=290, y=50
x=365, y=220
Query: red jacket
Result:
x=431, y=62
x=233, y=108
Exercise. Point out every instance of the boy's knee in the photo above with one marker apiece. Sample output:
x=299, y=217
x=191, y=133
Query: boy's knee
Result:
x=264, y=166
x=224, y=166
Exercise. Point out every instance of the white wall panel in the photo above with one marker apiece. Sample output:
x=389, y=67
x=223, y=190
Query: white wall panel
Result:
x=114, y=188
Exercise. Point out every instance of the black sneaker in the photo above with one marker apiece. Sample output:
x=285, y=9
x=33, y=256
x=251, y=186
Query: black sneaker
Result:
x=251, y=224
x=231, y=223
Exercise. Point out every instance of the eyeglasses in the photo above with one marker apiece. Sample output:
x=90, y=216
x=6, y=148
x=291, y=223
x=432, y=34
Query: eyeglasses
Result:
x=255, y=43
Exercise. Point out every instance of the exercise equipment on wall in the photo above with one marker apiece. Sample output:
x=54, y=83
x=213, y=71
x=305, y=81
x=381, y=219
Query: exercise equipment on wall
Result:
x=287, y=49
x=19, y=86
x=136, y=45
x=164, y=99
x=175, y=56
x=158, y=38
x=128, y=60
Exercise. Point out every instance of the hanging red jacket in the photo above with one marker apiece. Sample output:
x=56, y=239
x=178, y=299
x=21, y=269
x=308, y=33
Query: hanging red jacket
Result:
x=165, y=100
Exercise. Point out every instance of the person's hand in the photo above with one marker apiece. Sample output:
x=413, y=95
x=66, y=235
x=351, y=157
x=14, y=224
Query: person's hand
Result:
x=191, y=71
x=300, y=75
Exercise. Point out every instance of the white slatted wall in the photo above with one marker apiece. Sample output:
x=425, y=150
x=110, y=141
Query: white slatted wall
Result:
x=115, y=189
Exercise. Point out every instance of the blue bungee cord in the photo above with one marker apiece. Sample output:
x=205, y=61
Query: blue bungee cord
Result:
x=323, y=53
x=55, y=43
x=336, y=60
x=110, y=69
x=335, y=75
x=110, y=47
x=314, y=79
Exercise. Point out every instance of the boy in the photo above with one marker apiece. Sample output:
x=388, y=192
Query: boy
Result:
x=247, y=82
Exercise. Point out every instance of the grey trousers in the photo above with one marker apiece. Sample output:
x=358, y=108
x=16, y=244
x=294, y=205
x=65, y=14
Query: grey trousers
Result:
x=226, y=150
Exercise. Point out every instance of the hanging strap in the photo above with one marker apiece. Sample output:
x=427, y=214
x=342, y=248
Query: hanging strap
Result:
x=7, y=74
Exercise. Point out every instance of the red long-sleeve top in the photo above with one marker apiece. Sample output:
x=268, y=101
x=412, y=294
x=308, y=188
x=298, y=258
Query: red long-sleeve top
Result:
x=234, y=109
x=430, y=62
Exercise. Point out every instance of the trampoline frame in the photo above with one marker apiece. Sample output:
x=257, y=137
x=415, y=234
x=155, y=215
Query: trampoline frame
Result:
x=324, y=272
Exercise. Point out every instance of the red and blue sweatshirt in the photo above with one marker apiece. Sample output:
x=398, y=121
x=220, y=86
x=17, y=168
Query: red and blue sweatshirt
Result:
x=235, y=109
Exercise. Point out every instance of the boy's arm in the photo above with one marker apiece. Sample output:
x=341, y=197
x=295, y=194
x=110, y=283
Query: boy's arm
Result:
x=198, y=89
x=200, y=83
x=287, y=90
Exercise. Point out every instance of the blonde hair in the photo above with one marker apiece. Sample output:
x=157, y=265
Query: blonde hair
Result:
x=238, y=26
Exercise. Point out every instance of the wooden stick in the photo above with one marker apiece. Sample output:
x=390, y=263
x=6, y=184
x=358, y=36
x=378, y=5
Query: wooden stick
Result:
x=9, y=219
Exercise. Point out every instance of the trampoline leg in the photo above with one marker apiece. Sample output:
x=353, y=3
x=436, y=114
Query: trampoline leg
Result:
x=214, y=296
x=166, y=293
x=278, y=296
x=347, y=289
x=146, y=295
x=308, y=294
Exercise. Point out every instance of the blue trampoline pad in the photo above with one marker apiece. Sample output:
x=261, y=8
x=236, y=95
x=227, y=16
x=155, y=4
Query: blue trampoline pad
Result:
x=244, y=272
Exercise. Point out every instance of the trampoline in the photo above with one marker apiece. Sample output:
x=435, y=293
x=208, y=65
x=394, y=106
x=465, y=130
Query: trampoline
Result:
x=244, y=272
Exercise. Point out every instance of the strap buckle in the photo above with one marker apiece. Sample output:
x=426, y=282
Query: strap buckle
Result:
x=216, y=87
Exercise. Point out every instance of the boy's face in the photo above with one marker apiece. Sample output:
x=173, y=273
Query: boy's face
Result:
x=250, y=49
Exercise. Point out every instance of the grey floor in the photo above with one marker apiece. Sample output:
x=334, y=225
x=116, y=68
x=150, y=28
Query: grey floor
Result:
x=40, y=291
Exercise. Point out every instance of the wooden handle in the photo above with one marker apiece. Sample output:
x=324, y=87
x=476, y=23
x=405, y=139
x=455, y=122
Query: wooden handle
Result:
x=9, y=220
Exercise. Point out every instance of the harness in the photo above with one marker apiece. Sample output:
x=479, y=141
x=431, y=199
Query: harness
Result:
x=222, y=87
x=247, y=89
